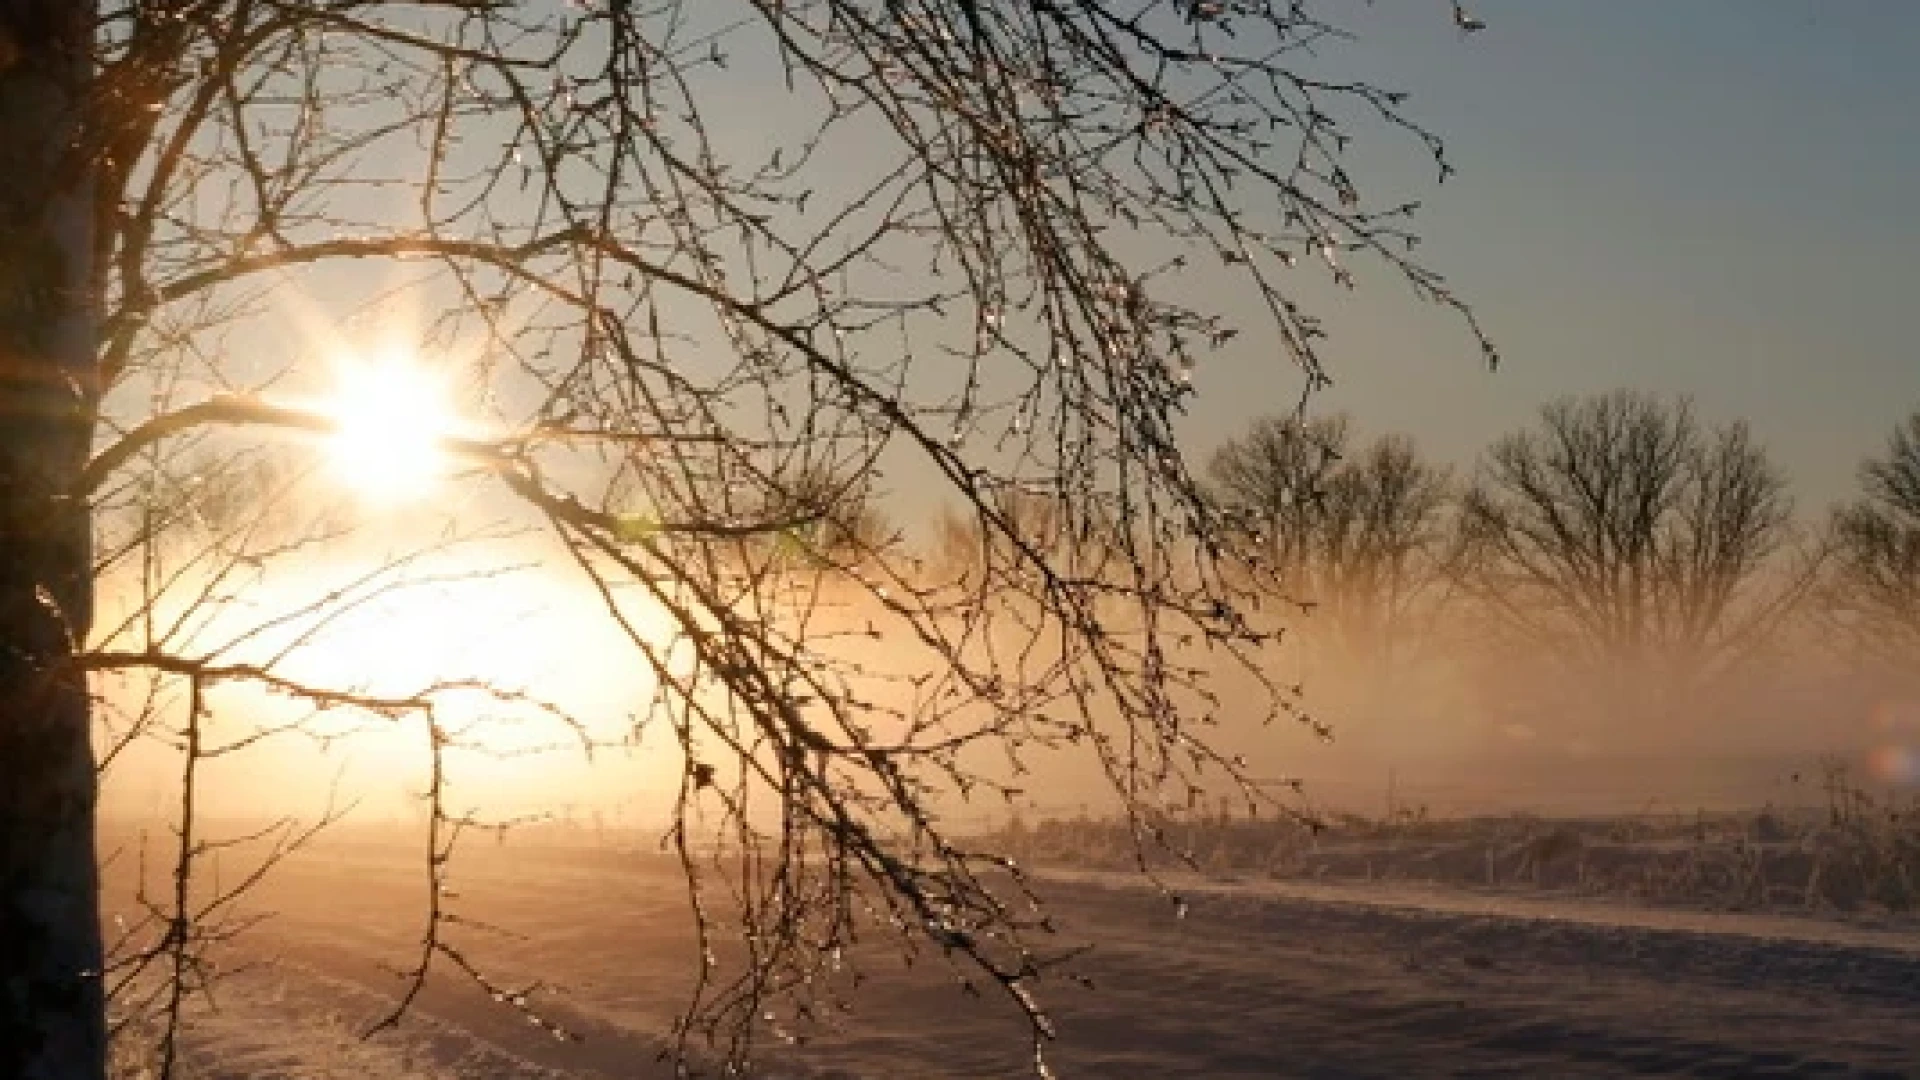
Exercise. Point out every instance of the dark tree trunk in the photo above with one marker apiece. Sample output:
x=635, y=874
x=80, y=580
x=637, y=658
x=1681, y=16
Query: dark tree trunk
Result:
x=52, y=1014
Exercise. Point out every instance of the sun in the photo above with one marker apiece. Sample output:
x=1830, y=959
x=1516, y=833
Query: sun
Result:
x=391, y=419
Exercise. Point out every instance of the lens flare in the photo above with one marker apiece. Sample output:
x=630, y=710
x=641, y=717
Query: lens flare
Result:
x=1894, y=763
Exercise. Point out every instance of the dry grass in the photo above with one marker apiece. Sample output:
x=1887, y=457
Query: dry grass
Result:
x=1859, y=853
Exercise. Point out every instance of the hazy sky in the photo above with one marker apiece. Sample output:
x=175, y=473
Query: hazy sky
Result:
x=1705, y=196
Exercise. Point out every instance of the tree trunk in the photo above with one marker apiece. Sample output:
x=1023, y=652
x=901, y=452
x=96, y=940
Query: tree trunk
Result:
x=52, y=1012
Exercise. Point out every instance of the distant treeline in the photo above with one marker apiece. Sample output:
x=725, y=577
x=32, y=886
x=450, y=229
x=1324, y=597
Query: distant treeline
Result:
x=1617, y=560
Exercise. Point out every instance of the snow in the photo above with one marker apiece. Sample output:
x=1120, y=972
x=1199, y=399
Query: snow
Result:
x=1259, y=979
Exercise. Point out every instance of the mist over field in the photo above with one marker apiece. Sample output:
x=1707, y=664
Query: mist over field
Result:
x=1445, y=709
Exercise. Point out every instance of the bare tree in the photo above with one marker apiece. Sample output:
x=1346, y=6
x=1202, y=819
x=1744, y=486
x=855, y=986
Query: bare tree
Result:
x=1017, y=526
x=1874, y=575
x=1275, y=479
x=1623, y=538
x=678, y=257
x=1359, y=535
x=52, y=1020
x=835, y=518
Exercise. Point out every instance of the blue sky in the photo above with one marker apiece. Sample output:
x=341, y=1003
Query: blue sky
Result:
x=1713, y=197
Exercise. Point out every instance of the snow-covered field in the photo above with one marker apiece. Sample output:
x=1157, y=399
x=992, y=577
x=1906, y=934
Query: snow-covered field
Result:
x=1260, y=978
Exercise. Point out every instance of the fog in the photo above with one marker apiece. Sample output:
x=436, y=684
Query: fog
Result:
x=1453, y=721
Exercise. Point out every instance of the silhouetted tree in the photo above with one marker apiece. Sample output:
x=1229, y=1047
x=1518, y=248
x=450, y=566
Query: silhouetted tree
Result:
x=657, y=246
x=1274, y=480
x=52, y=1020
x=1624, y=540
x=1360, y=535
x=1017, y=526
x=1874, y=575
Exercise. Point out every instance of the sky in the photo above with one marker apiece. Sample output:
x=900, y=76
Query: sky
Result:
x=1708, y=197
x=1695, y=196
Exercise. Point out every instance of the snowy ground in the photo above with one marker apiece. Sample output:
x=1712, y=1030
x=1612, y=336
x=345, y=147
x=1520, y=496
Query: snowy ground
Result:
x=1259, y=979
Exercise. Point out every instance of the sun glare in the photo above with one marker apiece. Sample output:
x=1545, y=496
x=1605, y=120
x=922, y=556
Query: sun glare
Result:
x=391, y=416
